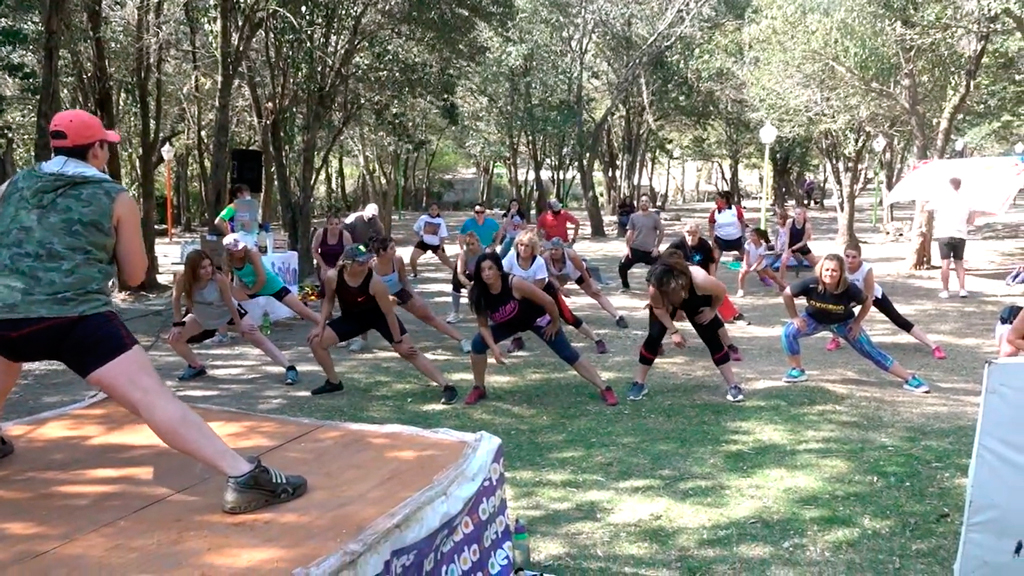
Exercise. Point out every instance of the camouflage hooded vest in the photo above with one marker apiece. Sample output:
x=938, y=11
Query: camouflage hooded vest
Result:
x=56, y=244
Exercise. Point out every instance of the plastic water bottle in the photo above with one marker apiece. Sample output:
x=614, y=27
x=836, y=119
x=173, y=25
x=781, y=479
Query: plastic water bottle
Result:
x=520, y=545
x=265, y=326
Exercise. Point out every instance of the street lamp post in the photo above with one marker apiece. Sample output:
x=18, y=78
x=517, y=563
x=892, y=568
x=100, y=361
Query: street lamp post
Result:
x=878, y=145
x=168, y=153
x=768, y=133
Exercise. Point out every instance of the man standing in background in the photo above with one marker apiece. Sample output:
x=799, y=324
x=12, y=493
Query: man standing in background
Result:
x=485, y=228
x=555, y=223
x=953, y=216
x=644, y=234
x=362, y=226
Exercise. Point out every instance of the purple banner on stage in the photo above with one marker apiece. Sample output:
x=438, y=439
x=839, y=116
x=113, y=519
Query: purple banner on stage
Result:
x=475, y=542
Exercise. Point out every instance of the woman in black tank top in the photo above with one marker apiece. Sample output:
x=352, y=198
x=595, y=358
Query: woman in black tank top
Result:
x=365, y=305
x=798, y=239
x=675, y=285
x=505, y=306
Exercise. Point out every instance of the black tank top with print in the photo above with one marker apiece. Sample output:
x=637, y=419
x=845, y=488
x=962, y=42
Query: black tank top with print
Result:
x=504, y=307
x=355, y=299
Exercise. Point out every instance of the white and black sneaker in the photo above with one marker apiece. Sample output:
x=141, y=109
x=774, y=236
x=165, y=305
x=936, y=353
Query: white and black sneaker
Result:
x=260, y=487
x=734, y=394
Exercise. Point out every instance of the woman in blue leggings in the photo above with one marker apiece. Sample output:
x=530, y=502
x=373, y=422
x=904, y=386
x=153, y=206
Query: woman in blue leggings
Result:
x=831, y=298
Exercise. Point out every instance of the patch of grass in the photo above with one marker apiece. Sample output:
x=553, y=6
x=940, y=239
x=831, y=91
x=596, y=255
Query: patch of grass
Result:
x=798, y=479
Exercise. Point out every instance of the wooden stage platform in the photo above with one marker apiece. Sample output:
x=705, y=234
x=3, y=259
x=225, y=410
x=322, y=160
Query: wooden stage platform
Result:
x=92, y=490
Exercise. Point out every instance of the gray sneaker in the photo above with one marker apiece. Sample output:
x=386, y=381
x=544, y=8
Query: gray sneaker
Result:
x=191, y=373
x=637, y=391
x=260, y=487
x=291, y=376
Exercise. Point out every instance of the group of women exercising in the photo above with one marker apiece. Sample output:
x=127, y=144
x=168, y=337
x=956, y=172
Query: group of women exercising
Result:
x=521, y=292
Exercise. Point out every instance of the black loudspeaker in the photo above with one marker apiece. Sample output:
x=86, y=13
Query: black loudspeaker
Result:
x=247, y=168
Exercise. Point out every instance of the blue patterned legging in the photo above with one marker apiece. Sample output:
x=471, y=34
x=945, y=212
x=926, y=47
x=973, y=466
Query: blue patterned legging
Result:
x=862, y=343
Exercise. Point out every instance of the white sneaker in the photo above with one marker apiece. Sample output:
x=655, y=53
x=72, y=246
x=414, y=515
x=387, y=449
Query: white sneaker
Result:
x=220, y=339
x=963, y=293
x=355, y=345
x=739, y=294
x=453, y=318
x=944, y=294
x=467, y=345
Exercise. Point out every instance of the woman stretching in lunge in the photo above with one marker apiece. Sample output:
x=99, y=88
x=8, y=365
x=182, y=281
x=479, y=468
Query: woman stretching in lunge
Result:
x=432, y=231
x=506, y=305
x=861, y=274
x=365, y=305
x=527, y=263
x=328, y=244
x=754, y=252
x=462, y=277
x=676, y=286
x=830, y=301
x=391, y=270
x=247, y=265
x=565, y=264
x=207, y=293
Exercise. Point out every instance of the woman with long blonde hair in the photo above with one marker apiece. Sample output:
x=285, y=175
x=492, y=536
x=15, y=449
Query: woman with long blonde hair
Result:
x=207, y=293
x=831, y=298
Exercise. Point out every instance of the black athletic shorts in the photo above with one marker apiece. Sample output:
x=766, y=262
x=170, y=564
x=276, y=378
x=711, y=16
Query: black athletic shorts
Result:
x=803, y=250
x=82, y=343
x=403, y=296
x=734, y=245
x=280, y=295
x=207, y=334
x=951, y=248
x=347, y=327
x=423, y=246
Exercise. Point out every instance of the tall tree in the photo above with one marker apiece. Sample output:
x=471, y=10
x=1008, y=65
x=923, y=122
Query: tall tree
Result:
x=53, y=14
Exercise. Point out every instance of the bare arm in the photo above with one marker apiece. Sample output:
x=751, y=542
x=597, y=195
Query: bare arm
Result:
x=327, y=306
x=176, y=299
x=708, y=286
x=869, y=284
x=261, y=272
x=315, y=248
x=380, y=293
x=865, y=308
x=790, y=302
x=1015, y=336
x=661, y=310
x=460, y=269
x=403, y=278
x=129, y=250
x=485, y=332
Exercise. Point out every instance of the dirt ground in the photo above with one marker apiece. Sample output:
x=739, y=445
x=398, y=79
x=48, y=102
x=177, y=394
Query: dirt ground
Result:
x=241, y=377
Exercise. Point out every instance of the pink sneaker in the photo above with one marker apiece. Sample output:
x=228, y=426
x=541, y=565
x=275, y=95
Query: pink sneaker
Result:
x=834, y=344
x=938, y=353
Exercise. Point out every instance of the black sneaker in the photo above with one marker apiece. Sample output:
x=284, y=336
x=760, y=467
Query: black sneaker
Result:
x=621, y=322
x=735, y=394
x=636, y=391
x=6, y=448
x=449, y=394
x=261, y=487
x=327, y=387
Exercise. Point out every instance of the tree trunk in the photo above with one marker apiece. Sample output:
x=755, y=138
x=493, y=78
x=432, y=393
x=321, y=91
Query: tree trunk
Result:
x=49, y=75
x=183, y=195
x=104, y=96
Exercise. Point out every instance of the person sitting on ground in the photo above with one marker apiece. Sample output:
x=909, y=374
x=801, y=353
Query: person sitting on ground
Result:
x=365, y=305
x=255, y=280
x=831, y=298
x=861, y=274
x=1010, y=332
x=506, y=305
x=207, y=293
x=48, y=315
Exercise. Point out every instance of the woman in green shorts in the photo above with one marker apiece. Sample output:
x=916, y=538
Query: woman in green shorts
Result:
x=256, y=280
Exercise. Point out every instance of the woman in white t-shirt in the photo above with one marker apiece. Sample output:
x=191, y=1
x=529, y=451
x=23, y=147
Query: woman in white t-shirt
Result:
x=860, y=273
x=754, y=252
x=513, y=221
x=432, y=232
x=526, y=262
x=727, y=224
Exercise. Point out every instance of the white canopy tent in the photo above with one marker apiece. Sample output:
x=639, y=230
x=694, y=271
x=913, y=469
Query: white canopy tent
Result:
x=991, y=183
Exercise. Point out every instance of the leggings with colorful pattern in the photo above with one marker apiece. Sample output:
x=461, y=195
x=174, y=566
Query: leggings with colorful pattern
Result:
x=862, y=343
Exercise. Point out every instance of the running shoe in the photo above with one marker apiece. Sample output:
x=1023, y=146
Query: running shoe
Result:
x=734, y=394
x=220, y=339
x=740, y=294
x=449, y=394
x=291, y=376
x=963, y=293
x=609, y=397
x=467, y=345
x=621, y=322
x=515, y=345
x=916, y=384
x=833, y=344
x=475, y=395
x=355, y=345
x=741, y=320
x=938, y=353
x=261, y=487
x=944, y=294
x=327, y=387
x=637, y=390
x=191, y=373
x=795, y=375
x=602, y=348
x=734, y=353
x=6, y=448
x=453, y=318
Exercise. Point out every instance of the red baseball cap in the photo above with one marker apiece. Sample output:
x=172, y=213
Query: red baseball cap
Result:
x=72, y=128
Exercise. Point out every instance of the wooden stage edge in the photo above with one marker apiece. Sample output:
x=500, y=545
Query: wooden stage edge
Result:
x=91, y=489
